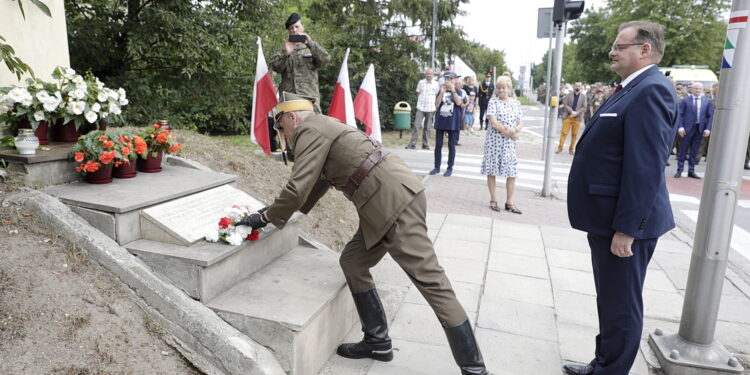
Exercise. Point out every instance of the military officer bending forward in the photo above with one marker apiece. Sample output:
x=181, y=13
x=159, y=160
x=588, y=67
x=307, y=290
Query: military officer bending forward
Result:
x=391, y=205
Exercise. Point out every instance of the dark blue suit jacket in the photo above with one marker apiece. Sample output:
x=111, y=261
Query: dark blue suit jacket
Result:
x=687, y=118
x=616, y=182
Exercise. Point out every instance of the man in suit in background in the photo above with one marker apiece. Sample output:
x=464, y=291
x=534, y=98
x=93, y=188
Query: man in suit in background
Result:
x=618, y=195
x=695, y=117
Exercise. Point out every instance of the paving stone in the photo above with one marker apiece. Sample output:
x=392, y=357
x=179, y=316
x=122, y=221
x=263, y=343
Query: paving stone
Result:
x=338, y=365
x=462, y=249
x=516, y=230
x=519, y=288
x=678, y=276
x=576, y=308
x=432, y=234
x=518, y=264
x=467, y=294
x=512, y=245
x=577, y=342
x=735, y=336
x=671, y=246
x=435, y=220
x=417, y=323
x=388, y=271
x=658, y=280
x=639, y=366
x=569, y=259
x=650, y=324
x=572, y=280
x=469, y=220
x=465, y=233
x=418, y=359
x=735, y=309
x=671, y=260
x=510, y=354
x=464, y=270
x=519, y=318
x=662, y=305
x=730, y=290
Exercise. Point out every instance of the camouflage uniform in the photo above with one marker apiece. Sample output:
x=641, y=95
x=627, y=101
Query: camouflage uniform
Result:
x=299, y=70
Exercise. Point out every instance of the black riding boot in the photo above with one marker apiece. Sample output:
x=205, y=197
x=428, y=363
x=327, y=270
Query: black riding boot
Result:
x=465, y=349
x=376, y=344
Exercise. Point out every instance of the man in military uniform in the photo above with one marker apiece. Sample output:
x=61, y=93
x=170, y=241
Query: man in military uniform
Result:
x=299, y=62
x=486, y=89
x=391, y=204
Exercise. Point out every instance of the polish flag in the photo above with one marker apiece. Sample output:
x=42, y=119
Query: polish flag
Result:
x=342, y=106
x=264, y=99
x=366, y=105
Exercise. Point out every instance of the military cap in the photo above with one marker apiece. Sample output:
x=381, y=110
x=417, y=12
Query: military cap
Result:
x=293, y=18
x=291, y=102
x=450, y=74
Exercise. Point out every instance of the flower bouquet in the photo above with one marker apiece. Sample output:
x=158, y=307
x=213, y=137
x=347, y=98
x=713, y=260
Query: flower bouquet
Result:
x=127, y=148
x=158, y=141
x=96, y=153
x=228, y=231
x=33, y=106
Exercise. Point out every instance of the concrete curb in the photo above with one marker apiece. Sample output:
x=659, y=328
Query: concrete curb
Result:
x=209, y=342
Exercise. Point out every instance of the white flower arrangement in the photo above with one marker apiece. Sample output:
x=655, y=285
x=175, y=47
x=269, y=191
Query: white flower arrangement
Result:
x=228, y=231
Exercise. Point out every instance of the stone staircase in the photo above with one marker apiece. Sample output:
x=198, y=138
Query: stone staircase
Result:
x=284, y=291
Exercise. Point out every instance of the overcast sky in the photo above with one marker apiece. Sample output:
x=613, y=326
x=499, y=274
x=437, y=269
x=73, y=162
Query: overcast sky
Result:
x=509, y=25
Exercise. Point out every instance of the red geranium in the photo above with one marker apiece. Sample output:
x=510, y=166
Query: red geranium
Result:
x=224, y=222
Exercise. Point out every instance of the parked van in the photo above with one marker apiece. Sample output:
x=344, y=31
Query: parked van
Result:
x=687, y=74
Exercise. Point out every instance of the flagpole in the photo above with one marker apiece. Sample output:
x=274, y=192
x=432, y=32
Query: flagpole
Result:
x=255, y=97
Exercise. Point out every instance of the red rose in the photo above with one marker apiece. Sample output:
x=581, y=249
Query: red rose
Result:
x=254, y=235
x=225, y=222
x=78, y=157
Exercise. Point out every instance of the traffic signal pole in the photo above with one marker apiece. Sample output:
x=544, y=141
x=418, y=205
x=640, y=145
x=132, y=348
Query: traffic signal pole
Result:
x=548, y=84
x=693, y=350
x=560, y=29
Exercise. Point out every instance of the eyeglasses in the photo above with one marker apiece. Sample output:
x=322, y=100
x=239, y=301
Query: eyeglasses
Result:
x=277, y=124
x=620, y=46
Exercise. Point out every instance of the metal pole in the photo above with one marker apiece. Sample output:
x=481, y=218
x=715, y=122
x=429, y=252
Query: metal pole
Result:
x=434, y=21
x=546, y=98
x=551, y=127
x=694, y=349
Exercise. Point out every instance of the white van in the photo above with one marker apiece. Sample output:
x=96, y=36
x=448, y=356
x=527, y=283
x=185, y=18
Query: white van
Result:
x=687, y=74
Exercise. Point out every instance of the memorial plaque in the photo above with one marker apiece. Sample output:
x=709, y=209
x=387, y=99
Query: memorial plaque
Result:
x=186, y=220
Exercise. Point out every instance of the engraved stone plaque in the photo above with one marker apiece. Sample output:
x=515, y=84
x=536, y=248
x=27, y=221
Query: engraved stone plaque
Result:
x=186, y=220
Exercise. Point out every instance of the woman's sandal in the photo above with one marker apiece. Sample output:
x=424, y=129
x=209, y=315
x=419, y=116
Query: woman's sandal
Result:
x=494, y=207
x=512, y=208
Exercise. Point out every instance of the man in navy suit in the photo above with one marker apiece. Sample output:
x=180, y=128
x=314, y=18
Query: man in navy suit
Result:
x=695, y=118
x=618, y=195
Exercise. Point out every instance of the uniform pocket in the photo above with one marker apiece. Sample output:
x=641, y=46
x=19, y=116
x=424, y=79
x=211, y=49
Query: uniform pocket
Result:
x=369, y=187
x=415, y=187
x=606, y=190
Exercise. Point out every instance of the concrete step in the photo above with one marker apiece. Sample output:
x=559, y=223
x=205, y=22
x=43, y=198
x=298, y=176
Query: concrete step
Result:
x=205, y=270
x=298, y=306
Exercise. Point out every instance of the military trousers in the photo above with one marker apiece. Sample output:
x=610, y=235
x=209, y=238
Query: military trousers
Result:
x=408, y=244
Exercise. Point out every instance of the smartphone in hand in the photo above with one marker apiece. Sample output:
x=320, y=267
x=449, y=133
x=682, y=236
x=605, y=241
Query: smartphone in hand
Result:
x=297, y=38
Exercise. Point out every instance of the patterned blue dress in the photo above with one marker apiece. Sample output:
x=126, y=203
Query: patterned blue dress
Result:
x=499, y=151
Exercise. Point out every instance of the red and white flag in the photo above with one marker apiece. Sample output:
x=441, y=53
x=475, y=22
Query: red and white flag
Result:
x=366, y=105
x=342, y=106
x=264, y=99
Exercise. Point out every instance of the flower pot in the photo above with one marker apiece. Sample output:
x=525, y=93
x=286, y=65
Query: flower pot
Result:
x=64, y=132
x=41, y=130
x=99, y=125
x=102, y=176
x=150, y=164
x=125, y=170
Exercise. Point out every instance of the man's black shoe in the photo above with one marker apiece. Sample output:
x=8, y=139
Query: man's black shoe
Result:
x=381, y=352
x=425, y=147
x=435, y=171
x=693, y=175
x=375, y=344
x=678, y=175
x=668, y=164
x=578, y=369
x=747, y=167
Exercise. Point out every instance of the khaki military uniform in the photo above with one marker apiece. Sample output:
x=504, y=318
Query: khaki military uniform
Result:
x=390, y=202
x=299, y=70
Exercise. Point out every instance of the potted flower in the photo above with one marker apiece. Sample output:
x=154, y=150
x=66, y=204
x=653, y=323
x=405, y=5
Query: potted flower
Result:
x=95, y=154
x=128, y=147
x=33, y=106
x=159, y=141
x=86, y=102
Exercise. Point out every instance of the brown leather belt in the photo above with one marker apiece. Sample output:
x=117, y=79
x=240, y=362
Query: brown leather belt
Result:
x=352, y=184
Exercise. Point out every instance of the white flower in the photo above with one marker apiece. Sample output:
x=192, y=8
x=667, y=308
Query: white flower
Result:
x=27, y=100
x=96, y=107
x=42, y=96
x=51, y=104
x=124, y=101
x=234, y=239
x=114, y=109
x=58, y=95
x=99, y=84
x=38, y=86
x=18, y=94
x=39, y=115
x=102, y=96
x=76, y=108
x=70, y=71
x=104, y=114
x=91, y=117
x=79, y=94
x=244, y=231
x=212, y=236
x=121, y=92
x=78, y=80
x=3, y=109
x=82, y=86
x=111, y=93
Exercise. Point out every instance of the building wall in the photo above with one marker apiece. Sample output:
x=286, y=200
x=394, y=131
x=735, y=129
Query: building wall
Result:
x=40, y=41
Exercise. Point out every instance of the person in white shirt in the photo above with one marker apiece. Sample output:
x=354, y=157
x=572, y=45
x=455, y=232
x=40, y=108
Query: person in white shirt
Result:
x=427, y=89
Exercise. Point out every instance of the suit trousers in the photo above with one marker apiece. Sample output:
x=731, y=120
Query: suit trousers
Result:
x=482, y=111
x=691, y=142
x=619, y=302
x=452, y=140
x=419, y=118
x=408, y=244
x=570, y=124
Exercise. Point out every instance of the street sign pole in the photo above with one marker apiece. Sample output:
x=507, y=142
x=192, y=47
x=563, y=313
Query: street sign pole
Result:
x=694, y=350
x=546, y=97
x=560, y=30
